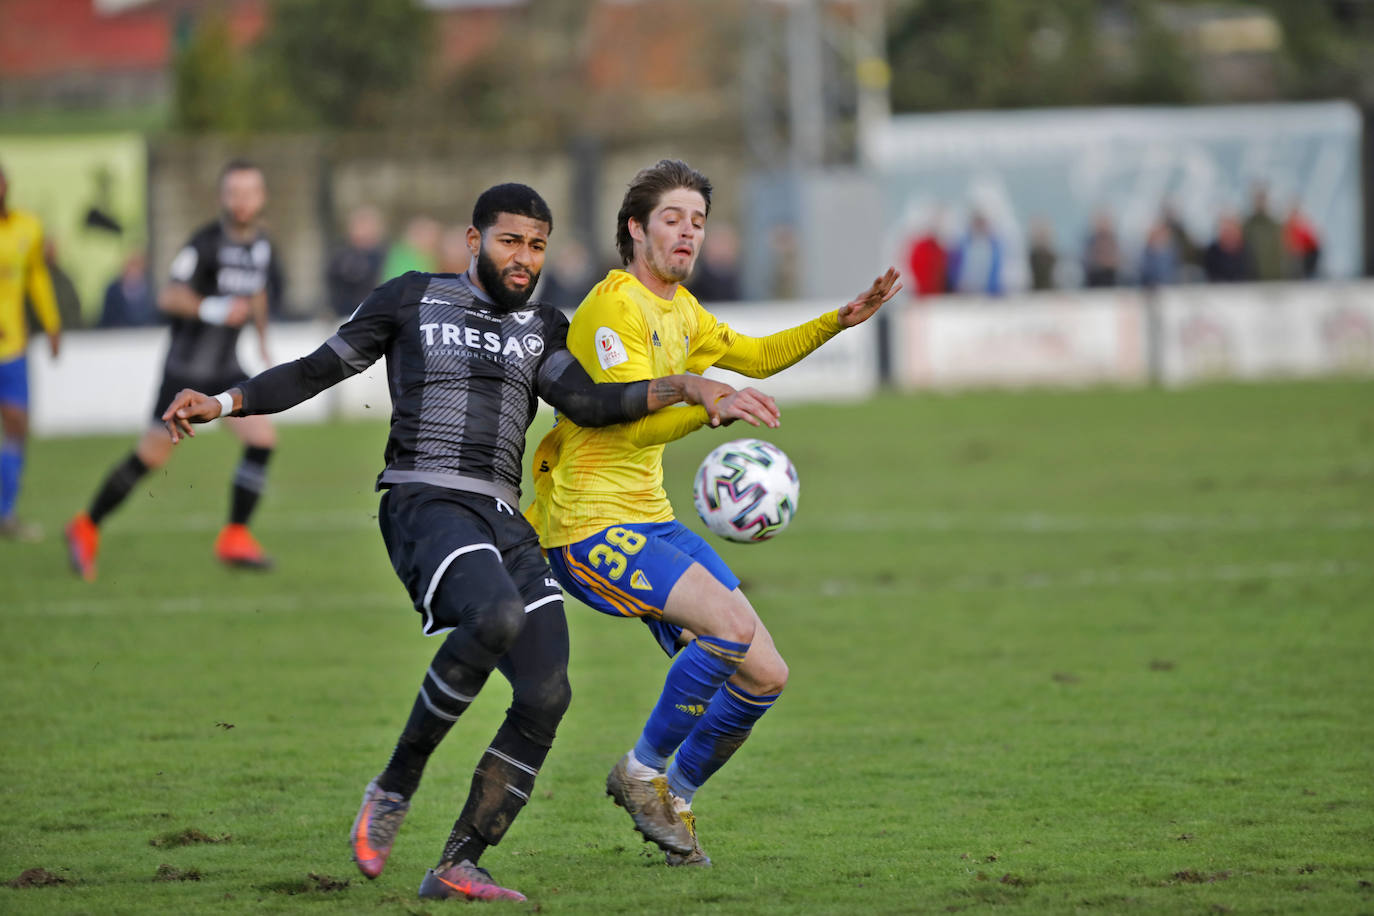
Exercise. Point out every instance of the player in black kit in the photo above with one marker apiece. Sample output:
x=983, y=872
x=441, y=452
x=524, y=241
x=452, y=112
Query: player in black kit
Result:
x=467, y=356
x=219, y=282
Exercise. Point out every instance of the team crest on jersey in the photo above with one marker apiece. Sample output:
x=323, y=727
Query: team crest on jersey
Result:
x=610, y=351
x=534, y=344
x=640, y=581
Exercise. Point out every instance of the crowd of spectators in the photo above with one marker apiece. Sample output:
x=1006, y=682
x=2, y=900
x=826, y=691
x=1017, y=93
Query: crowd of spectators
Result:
x=1254, y=247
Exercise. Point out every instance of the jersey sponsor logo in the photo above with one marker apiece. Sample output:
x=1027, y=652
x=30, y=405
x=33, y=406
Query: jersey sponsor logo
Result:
x=443, y=334
x=248, y=258
x=240, y=281
x=610, y=351
x=640, y=581
x=657, y=342
x=430, y=300
x=551, y=583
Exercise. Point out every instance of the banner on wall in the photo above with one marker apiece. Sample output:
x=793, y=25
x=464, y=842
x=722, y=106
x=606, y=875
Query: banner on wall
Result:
x=1046, y=339
x=1263, y=331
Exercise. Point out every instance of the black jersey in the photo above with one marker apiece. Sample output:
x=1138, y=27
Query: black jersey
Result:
x=464, y=377
x=213, y=264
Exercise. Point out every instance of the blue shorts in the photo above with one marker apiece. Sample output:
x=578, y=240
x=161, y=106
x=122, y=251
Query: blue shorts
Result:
x=628, y=571
x=14, y=382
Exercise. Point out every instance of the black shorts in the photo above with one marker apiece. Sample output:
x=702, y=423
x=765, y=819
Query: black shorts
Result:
x=223, y=379
x=427, y=528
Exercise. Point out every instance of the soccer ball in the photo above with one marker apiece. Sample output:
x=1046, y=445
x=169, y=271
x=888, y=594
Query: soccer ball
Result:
x=746, y=490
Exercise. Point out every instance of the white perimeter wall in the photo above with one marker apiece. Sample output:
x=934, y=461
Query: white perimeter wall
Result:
x=106, y=381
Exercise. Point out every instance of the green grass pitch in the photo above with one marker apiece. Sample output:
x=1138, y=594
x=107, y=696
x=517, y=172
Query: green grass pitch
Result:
x=1051, y=652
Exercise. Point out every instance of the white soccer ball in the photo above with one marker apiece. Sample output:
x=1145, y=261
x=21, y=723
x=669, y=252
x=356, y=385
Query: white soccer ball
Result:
x=746, y=490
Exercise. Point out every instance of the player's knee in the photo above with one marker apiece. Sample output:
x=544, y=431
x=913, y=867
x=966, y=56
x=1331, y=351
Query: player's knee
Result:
x=537, y=707
x=768, y=677
x=737, y=621
x=498, y=625
x=736, y=628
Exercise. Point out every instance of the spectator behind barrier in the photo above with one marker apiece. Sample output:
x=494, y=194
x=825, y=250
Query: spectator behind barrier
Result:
x=1226, y=260
x=975, y=265
x=128, y=301
x=355, y=267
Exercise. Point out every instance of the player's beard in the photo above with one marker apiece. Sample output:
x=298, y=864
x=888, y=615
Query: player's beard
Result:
x=665, y=270
x=494, y=282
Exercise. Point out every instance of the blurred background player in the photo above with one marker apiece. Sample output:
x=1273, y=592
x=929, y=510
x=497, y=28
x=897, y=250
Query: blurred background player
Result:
x=469, y=358
x=218, y=284
x=22, y=270
x=607, y=524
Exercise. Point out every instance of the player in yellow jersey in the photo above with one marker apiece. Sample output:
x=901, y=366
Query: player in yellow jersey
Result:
x=607, y=524
x=21, y=270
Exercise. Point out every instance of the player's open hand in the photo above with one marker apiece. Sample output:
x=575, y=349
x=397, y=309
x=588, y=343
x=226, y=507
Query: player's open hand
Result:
x=865, y=305
x=748, y=404
x=189, y=407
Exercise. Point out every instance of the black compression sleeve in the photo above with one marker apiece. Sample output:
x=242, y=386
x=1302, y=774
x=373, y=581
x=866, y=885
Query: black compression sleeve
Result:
x=289, y=384
x=568, y=387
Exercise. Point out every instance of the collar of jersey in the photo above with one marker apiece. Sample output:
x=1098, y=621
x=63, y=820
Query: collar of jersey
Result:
x=649, y=295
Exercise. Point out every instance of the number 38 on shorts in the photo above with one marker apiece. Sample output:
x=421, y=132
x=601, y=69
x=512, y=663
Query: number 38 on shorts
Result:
x=628, y=570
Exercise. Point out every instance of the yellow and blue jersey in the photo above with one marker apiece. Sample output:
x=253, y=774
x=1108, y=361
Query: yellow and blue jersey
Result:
x=586, y=480
x=22, y=270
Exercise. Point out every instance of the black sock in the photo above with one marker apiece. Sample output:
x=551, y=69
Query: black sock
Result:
x=118, y=483
x=501, y=785
x=249, y=480
x=449, y=687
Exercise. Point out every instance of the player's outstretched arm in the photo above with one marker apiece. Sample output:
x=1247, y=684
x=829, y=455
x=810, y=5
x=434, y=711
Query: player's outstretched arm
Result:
x=760, y=357
x=865, y=305
x=270, y=391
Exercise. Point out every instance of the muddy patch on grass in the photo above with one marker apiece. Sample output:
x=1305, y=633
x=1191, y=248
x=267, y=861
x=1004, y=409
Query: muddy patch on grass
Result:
x=311, y=883
x=1193, y=876
x=188, y=837
x=35, y=877
x=172, y=873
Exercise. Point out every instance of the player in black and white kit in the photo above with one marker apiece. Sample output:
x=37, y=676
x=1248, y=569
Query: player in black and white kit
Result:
x=219, y=282
x=467, y=356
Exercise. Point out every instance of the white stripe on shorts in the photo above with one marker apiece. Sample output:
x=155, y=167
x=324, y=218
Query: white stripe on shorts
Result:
x=443, y=567
x=543, y=601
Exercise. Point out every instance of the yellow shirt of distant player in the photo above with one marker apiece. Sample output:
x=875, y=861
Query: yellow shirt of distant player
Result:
x=22, y=269
x=586, y=480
